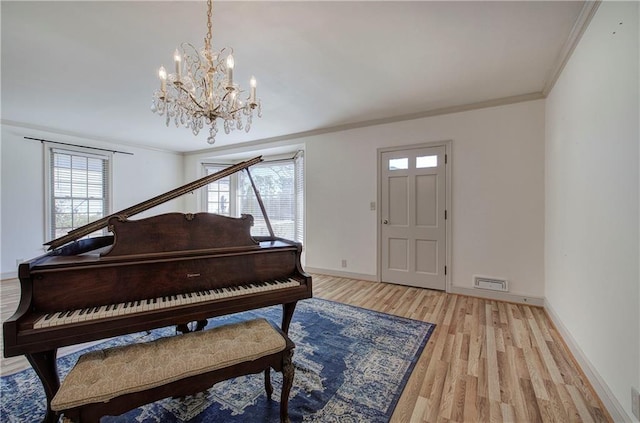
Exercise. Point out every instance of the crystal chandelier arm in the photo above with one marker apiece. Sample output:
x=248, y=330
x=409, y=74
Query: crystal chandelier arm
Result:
x=191, y=96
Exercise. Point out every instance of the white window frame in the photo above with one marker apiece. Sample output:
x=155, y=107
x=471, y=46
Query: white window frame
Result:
x=233, y=186
x=49, y=149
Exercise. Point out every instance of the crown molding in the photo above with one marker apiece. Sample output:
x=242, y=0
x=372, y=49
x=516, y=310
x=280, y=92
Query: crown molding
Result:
x=579, y=27
x=503, y=101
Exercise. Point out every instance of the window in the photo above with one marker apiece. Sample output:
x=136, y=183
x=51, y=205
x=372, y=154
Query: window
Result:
x=218, y=193
x=78, y=191
x=281, y=187
x=398, y=164
x=426, y=161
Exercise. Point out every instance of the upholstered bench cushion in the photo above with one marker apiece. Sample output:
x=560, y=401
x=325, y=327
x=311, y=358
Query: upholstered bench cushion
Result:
x=103, y=375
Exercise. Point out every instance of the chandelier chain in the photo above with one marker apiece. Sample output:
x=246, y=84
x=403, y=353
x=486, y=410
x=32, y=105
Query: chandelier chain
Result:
x=207, y=40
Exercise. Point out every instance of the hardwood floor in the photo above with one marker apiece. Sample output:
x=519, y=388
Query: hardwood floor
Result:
x=486, y=361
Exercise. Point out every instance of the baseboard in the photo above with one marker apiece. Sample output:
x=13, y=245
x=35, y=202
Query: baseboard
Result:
x=498, y=296
x=613, y=406
x=341, y=274
x=8, y=275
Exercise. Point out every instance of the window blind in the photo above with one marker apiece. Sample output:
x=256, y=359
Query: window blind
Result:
x=79, y=190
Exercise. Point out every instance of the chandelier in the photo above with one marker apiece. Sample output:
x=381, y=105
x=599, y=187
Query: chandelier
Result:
x=202, y=90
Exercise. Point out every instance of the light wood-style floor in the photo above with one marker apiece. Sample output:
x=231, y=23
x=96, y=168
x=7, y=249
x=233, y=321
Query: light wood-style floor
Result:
x=486, y=361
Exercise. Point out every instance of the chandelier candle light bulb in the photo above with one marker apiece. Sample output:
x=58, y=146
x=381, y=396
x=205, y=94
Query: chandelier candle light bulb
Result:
x=201, y=90
x=230, y=64
x=253, y=83
x=178, y=60
x=162, y=73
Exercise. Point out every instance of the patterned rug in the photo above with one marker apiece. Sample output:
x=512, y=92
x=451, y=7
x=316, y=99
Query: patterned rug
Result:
x=351, y=365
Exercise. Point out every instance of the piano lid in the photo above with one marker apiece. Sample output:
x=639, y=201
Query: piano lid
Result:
x=145, y=205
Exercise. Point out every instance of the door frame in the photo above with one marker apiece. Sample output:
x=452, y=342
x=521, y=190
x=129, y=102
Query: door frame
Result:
x=447, y=144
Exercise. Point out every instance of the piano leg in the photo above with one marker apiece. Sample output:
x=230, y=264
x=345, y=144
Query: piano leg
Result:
x=287, y=314
x=44, y=363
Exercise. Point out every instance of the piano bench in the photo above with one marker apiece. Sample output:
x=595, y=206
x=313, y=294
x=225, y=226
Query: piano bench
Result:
x=115, y=380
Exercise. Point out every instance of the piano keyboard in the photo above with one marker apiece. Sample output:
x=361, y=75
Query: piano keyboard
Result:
x=132, y=307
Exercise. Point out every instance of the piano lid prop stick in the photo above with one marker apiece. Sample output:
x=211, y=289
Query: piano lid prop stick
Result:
x=145, y=205
x=264, y=211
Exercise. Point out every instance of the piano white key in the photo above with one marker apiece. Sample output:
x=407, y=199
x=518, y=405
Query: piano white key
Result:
x=158, y=304
x=53, y=320
x=82, y=315
x=101, y=313
x=39, y=323
x=138, y=306
x=65, y=318
x=62, y=318
x=74, y=317
x=119, y=309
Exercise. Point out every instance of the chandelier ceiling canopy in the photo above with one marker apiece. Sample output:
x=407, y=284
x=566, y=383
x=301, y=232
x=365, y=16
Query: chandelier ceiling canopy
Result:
x=202, y=90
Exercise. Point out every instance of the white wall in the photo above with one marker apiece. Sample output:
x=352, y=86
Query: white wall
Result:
x=135, y=178
x=498, y=193
x=592, y=192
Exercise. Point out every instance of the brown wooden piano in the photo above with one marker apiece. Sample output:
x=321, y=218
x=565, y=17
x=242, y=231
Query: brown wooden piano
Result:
x=170, y=269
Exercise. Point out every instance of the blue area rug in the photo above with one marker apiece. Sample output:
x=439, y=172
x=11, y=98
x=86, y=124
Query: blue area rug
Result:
x=351, y=366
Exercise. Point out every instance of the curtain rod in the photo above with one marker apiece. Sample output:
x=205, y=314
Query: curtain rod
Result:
x=77, y=145
x=295, y=156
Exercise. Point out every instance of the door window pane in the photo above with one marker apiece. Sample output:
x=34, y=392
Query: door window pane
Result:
x=397, y=164
x=426, y=161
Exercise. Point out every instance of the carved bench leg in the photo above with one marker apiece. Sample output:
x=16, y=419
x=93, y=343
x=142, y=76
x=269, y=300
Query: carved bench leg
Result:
x=287, y=381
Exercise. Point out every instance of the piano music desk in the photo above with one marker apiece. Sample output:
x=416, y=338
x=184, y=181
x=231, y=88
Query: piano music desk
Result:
x=115, y=380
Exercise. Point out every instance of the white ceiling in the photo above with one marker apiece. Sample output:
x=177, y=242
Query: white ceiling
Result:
x=90, y=68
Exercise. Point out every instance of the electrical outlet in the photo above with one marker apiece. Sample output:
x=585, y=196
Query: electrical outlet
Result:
x=344, y=263
x=372, y=205
x=635, y=402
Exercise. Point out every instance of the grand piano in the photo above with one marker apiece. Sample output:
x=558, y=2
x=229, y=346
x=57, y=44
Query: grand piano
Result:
x=170, y=269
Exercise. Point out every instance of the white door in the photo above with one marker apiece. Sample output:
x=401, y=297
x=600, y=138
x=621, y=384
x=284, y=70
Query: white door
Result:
x=413, y=209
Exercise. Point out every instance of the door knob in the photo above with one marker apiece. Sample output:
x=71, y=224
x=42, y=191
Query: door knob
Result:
x=385, y=221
